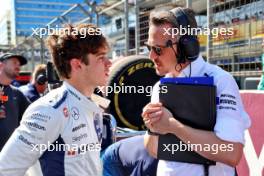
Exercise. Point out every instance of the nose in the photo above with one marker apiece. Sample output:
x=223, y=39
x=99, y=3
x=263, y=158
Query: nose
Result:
x=108, y=62
x=17, y=66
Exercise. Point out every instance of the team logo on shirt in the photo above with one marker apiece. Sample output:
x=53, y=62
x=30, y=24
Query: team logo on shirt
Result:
x=79, y=127
x=65, y=112
x=97, y=126
x=34, y=126
x=75, y=113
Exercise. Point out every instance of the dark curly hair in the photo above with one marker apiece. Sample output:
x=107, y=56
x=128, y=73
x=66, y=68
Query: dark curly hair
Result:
x=74, y=42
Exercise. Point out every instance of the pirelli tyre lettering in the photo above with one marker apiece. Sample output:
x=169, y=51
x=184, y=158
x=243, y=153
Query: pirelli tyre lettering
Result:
x=129, y=89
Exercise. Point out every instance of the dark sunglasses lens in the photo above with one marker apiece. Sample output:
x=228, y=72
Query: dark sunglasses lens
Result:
x=157, y=50
x=149, y=48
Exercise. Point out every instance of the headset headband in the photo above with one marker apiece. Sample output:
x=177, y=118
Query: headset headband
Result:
x=180, y=17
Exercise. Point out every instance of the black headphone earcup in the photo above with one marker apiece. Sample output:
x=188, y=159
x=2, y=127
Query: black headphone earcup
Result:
x=180, y=54
x=188, y=48
x=41, y=79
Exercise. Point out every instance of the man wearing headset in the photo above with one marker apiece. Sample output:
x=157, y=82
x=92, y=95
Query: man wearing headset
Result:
x=178, y=56
x=37, y=85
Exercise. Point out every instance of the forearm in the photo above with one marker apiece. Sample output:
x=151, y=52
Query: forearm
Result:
x=220, y=150
x=151, y=144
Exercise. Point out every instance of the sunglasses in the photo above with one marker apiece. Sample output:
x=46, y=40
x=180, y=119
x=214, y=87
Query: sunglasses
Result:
x=158, y=49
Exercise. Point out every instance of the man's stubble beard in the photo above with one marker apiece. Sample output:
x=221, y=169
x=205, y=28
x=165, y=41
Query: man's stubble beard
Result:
x=10, y=74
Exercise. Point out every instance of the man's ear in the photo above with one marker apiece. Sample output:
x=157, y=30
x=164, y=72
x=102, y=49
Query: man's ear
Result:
x=75, y=64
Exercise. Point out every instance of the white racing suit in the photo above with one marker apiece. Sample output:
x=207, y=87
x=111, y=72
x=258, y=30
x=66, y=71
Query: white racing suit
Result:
x=66, y=121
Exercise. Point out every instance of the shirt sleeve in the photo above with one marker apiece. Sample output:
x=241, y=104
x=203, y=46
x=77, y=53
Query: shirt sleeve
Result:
x=40, y=126
x=232, y=119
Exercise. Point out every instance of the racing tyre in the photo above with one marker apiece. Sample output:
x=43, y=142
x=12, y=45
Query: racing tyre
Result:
x=129, y=89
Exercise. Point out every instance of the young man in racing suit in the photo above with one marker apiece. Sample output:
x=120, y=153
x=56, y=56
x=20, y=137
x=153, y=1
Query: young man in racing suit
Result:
x=63, y=129
x=231, y=118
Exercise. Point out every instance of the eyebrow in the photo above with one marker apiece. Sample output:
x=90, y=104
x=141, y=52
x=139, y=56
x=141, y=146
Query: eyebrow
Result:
x=102, y=53
x=146, y=43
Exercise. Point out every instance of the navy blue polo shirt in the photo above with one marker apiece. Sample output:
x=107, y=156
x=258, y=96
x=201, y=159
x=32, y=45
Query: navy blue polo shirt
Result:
x=12, y=111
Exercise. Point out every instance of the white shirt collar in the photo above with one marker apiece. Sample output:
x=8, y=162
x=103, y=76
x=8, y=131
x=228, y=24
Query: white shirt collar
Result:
x=195, y=66
x=79, y=96
x=73, y=91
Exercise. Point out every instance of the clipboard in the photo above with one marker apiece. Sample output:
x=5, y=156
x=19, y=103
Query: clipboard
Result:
x=193, y=102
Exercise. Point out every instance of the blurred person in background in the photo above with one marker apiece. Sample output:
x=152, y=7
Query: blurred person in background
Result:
x=37, y=85
x=12, y=102
x=261, y=83
x=15, y=83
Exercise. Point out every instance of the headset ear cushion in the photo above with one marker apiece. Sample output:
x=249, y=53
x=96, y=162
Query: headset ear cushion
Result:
x=190, y=48
x=180, y=53
x=41, y=79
